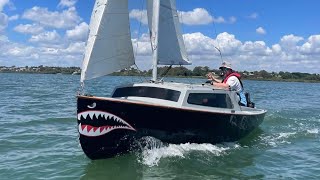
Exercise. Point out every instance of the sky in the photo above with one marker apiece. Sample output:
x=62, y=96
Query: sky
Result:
x=252, y=35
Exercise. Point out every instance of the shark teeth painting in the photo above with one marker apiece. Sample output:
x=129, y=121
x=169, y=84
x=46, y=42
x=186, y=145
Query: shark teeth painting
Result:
x=101, y=116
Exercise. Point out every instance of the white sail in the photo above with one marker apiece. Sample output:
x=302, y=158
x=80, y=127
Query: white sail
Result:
x=169, y=46
x=109, y=47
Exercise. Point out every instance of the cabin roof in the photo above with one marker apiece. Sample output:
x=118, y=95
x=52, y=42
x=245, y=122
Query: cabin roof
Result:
x=179, y=86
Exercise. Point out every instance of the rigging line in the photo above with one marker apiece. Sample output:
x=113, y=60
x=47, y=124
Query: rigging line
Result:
x=141, y=75
x=215, y=32
x=185, y=74
x=137, y=45
x=164, y=74
x=188, y=78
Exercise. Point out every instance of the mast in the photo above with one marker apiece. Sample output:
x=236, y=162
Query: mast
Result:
x=165, y=35
x=154, y=35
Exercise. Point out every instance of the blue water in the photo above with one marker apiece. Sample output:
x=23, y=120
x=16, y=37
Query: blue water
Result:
x=39, y=139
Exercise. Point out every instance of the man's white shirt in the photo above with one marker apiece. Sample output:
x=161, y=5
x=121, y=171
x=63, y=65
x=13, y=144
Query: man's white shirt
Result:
x=234, y=83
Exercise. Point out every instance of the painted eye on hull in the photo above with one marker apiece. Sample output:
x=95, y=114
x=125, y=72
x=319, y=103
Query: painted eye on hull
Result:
x=92, y=106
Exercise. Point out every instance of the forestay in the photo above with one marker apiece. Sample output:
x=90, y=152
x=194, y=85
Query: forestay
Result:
x=109, y=47
x=169, y=46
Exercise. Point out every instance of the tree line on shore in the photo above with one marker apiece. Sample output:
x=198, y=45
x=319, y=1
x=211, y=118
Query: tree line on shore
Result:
x=198, y=71
x=201, y=71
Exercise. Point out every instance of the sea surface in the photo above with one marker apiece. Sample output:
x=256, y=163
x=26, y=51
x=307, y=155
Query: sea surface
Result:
x=39, y=138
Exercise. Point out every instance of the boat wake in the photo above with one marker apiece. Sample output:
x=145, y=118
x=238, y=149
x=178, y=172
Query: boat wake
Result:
x=154, y=150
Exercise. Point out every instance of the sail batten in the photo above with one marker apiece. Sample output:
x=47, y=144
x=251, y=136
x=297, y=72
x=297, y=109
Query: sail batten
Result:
x=109, y=47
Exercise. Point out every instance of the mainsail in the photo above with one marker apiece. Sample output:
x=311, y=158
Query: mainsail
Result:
x=109, y=47
x=165, y=33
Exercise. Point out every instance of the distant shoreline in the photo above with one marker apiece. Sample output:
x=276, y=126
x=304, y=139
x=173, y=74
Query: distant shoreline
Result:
x=178, y=72
x=253, y=79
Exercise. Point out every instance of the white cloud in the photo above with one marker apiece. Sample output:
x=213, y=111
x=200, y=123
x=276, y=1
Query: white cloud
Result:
x=50, y=51
x=4, y=17
x=3, y=21
x=80, y=32
x=228, y=43
x=29, y=55
x=62, y=20
x=19, y=51
x=139, y=15
x=260, y=30
x=46, y=37
x=232, y=20
x=276, y=48
x=312, y=46
x=67, y=3
x=198, y=16
x=289, y=43
x=75, y=48
x=14, y=17
x=253, y=16
x=291, y=53
x=3, y=39
x=257, y=48
x=201, y=16
x=290, y=40
x=3, y=3
x=142, y=45
x=46, y=47
x=29, y=28
x=219, y=19
x=197, y=44
x=249, y=55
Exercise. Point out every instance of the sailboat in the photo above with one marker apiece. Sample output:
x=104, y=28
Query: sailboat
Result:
x=171, y=112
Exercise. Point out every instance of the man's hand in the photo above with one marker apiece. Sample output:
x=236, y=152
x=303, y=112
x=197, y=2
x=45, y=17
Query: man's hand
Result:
x=211, y=77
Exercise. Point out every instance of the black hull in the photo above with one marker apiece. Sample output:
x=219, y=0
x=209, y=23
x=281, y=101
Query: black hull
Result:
x=171, y=125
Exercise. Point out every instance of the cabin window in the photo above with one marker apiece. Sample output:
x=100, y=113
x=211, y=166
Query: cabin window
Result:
x=210, y=99
x=151, y=92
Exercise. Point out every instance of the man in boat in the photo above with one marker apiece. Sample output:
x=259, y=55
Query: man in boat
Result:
x=231, y=80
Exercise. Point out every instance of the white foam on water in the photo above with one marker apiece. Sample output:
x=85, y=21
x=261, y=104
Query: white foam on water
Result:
x=151, y=157
x=313, y=131
x=279, y=138
x=285, y=135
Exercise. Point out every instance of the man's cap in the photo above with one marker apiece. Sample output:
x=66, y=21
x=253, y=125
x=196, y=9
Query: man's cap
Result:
x=225, y=65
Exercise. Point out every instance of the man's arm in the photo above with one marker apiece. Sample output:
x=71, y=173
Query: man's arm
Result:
x=211, y=77
x=221, y=85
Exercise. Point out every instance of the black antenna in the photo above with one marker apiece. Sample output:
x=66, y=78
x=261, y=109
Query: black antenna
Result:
x=219, y=53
